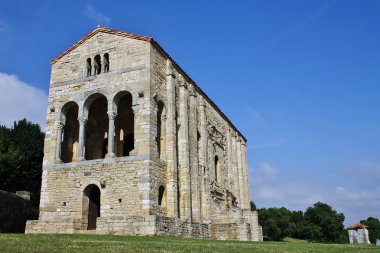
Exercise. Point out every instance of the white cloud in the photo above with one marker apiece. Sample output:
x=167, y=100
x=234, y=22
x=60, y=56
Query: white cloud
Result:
x=371, y=170
x=96, y=16
x=20, y=100
x=290, y=195
x=256, y=114
x=263, y=173
x=355, y=193
x=268, y=169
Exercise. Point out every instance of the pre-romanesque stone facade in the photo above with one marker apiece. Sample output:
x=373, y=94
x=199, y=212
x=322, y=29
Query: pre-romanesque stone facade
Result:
x=134, y=146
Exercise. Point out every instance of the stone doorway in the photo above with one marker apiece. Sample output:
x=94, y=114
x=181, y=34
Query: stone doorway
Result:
x=91, y=205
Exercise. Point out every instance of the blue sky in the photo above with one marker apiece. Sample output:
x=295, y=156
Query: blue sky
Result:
x=300, y=79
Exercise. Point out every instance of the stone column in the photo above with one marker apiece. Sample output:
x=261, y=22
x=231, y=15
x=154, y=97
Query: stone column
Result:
x=138, y=135
x=60, y=125
x=235, y=169
x=183, y=150
x=246, y=197
x=205, y=186
x=82, y=125
x=194, y=168
x=171, y=145
x=240, y=172
x=111, y=134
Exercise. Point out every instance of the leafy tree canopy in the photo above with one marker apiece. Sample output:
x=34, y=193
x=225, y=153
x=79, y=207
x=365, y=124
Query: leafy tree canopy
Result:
x=325, y=224
x=320, y=223
x=373, y=228
x=253, y=206
x=21, y=153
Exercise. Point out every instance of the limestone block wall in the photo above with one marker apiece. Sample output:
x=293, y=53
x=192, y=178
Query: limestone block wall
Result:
x=124, y=117
x=123, y=183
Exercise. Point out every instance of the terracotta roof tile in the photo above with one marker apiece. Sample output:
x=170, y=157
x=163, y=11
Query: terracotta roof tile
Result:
x=358, y=225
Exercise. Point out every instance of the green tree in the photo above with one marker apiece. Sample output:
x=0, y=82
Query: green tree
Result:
x=298, y=220
x=276, y=223
x=373, y=228
x=21, y=153
x=323, y=224
x=253, y=206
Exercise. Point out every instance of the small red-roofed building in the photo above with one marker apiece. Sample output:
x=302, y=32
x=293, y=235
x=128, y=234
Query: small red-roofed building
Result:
x=358, y=234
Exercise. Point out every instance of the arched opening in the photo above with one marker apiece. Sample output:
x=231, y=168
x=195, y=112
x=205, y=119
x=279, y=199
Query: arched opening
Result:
x=161, y=130
x=216, y=168
x=69, y=146
x=91, y=205
x=88, y=67
x=97, y=65
x=106, y=62
x=162, y=198
x=124, y=124
x=96, y=127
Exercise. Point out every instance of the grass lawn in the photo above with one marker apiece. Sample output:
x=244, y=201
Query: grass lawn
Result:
x=15, y=243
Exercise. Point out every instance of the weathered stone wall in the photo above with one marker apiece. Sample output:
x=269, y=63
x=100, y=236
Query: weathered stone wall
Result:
x=358, y=236
x=122, y=183
x=187, y=173
x=14, y=212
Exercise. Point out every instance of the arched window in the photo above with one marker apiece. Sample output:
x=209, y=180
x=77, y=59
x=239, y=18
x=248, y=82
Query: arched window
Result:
x=69, y=148
x=124, y=124
x=88, y=67
x=96, y=127
x=97, y=65
x=161, y=123
x=216, y=163
x=106, y=63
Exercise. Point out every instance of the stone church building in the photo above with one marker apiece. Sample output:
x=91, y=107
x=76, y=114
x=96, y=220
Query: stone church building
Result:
x=133, y=146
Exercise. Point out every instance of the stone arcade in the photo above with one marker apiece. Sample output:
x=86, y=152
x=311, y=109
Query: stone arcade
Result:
x=133, y=146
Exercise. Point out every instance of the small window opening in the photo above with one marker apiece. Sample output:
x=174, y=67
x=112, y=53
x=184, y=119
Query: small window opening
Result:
x=216, y=160
x=119, y=200
x=161, y=191
x=64, y=204
x=97, y=65
x=88, y=67
x=106, y=63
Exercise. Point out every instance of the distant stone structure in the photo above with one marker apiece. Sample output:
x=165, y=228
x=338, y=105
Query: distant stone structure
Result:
x=15, y=210
x=358, y=234
x=134, y=146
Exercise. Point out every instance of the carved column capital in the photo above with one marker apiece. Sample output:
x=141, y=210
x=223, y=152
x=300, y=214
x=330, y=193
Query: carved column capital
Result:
x=201, y=102
x=111, y=115
x=60, y=125
x=135, y=108
x=182, y=82
x=193, y=93
x=82, y=120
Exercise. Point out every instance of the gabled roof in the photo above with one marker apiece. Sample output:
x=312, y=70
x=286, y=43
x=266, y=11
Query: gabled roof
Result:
x=357, y=226
x=151, y=40
x=104, y=30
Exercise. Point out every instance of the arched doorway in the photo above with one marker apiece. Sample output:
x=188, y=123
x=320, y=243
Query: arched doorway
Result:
x=91, y=205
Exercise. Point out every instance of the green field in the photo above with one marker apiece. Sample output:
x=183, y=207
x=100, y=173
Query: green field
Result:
x=108, y=244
